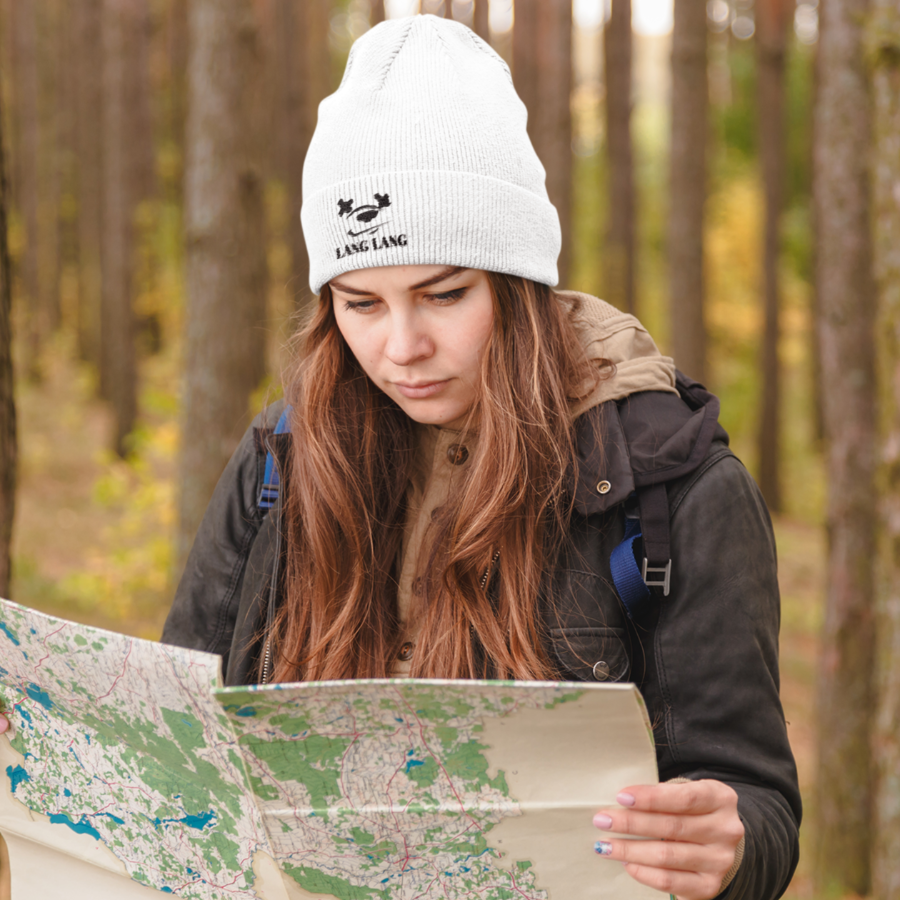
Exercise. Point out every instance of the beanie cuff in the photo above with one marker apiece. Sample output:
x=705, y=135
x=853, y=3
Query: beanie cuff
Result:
x=430, y=217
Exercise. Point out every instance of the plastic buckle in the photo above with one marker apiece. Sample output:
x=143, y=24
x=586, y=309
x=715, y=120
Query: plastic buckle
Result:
x=268, y=495
x=665, y=571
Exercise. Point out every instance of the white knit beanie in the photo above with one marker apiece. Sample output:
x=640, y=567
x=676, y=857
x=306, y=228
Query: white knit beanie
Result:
x=421, y=157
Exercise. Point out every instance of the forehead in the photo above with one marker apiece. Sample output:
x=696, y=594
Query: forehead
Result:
x=397, y=278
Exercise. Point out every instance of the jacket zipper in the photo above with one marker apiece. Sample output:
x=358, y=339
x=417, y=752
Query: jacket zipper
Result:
x=487, y=571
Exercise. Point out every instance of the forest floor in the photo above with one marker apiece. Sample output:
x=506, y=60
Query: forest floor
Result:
x=92, y=537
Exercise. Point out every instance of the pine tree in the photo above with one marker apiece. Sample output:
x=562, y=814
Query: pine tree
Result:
x=843, y=138
x=225, y=247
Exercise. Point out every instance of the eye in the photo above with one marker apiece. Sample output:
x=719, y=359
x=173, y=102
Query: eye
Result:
x=359, y=306
x=449, y=296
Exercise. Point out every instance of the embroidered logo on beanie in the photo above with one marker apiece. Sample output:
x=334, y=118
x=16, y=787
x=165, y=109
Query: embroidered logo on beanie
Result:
x=361, y=216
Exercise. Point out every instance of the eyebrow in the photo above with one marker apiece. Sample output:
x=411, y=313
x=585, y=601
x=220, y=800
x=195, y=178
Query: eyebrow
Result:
x=428, y=282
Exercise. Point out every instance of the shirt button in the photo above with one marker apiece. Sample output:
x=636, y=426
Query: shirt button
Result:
x=600, y=670
x=406, y=651
x=457, y=454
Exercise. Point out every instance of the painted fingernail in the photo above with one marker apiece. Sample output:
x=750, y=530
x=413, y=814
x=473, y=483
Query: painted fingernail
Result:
x=602, y=821
x=603, y=848
x=625, y=799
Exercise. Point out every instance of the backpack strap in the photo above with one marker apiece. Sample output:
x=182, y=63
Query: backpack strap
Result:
x=651, y=525
x=268, y=493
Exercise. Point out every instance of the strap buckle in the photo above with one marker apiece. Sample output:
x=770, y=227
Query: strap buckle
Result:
x=665, y=571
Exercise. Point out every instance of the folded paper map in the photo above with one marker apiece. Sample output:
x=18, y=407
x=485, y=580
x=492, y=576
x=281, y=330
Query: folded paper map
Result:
x=130, y=772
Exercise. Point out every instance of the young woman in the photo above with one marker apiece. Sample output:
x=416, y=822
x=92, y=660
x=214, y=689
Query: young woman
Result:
x=466, y=449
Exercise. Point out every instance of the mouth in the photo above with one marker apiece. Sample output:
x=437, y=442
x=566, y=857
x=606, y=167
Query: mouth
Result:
x=420, y=389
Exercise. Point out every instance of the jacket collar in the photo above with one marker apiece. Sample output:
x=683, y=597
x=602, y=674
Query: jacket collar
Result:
x=646, y=438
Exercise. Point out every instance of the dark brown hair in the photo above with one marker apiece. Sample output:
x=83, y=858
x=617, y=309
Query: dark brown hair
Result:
x=346, y=505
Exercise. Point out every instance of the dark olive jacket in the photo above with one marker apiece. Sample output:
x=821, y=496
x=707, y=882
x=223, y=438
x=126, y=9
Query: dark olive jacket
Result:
x=705, y=657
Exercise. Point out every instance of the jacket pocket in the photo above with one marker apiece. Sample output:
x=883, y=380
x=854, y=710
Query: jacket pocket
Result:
x=596, y=653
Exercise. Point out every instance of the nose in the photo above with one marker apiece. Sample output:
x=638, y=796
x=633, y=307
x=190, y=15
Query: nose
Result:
x=407, y=342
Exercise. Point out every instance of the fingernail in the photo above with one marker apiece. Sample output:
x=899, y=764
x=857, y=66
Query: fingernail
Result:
x=602, y=821
x=603, y=848
x=625, y=799
x=4, y=724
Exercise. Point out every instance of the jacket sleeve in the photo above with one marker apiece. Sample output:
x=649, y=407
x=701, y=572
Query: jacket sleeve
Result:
x=203, y=613
x=712, y=658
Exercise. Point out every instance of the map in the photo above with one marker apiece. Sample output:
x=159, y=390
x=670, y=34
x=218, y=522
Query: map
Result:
x=129, y=759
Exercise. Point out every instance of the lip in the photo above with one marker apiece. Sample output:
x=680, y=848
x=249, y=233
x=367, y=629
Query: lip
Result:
x=420, y=389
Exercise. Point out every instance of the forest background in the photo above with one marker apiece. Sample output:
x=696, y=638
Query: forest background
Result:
x=152, y=273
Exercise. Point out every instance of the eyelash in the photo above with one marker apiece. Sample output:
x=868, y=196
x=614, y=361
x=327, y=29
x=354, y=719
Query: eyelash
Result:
x=445, y=298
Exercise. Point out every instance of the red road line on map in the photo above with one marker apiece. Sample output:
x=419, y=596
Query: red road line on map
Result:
x=121, y=674
x=40, y=662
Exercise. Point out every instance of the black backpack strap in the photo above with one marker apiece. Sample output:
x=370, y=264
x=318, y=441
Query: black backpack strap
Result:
x=656, y=569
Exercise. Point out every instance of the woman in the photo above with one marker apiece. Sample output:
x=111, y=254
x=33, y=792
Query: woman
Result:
x=462, y=455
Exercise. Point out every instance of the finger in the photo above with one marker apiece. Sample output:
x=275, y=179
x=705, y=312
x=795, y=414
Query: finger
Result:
x=684, y=885
x=704, y=829
x=714, y=860
x=4, y=723
x=690, y=798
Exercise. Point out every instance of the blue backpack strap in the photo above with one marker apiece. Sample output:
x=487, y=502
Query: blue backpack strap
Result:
x=268, y=494
x=626, y=575
x=632, y=582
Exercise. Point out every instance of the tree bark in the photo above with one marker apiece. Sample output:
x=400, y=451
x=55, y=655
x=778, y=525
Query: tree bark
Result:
x=89, y=103
x=481, y=19
x=843, y=136
x=620, y=238
x=304, y=32
x=883, y=43
x=687, y=186
x=772, y=19
x=27, y=99
x=51, y=113
x=177, y=60
x=542, y=68
x=225, y=247
x=8, y=444
x=119, y=367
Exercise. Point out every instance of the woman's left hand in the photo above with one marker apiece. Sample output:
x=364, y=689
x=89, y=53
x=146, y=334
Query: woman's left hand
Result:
x=696, y=827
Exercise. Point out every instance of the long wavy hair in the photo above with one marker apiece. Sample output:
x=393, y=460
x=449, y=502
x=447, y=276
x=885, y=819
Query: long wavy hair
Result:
x=493, y=543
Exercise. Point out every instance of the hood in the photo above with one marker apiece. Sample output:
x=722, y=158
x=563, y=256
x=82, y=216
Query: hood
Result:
x=608, y=334
x=645, y=424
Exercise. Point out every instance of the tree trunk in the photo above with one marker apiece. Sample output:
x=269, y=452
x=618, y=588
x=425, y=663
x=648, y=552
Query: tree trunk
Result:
x=50, y=80
x=27, y=91
x=8, y=447
x=542, y=68
x=117, y=324
x=304, y=30
x=177, y=60
x=225, y=247
x=883, y=40
x=524, y=58
x=481, y=19
x=772, y=19
x=620, y=238
x=687, y=186
x=89, y=103
x=843, y=136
